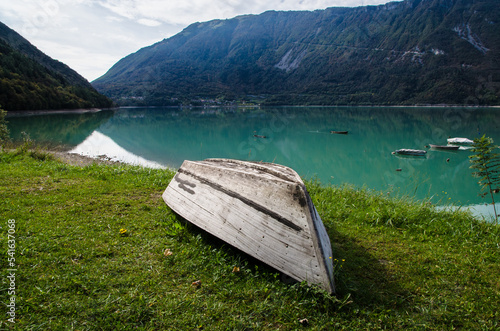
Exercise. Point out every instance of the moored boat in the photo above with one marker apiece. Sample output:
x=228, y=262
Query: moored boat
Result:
x=339, y=132
x=262, y=209
x=411, y=152
x=460, y=141
x=445, y=147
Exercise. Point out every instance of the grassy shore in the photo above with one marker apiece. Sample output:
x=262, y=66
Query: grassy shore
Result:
x=97, y=249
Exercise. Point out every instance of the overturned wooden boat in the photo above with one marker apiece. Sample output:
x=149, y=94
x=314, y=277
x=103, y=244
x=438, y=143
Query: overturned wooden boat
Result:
x=262, y=209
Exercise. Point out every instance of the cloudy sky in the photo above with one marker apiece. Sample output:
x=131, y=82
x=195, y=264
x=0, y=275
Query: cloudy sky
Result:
x=92, y=35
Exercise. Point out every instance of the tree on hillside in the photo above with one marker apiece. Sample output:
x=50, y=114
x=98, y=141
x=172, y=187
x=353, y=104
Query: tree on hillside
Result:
x=4, y=131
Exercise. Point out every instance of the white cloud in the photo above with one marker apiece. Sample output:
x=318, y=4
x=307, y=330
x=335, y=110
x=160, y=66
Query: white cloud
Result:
x=148, y=22
x=91, y=35
x=125, y=8
x=113, y=19
x=189, y=11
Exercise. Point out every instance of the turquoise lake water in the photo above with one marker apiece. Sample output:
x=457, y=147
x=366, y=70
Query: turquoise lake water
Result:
x=298, y=137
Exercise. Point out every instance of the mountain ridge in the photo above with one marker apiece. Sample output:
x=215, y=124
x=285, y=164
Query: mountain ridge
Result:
x=31, y=80
x=409, y=52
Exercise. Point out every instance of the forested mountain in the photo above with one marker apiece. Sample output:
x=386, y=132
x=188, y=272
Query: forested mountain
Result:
x=409, y=52
x=30, y=80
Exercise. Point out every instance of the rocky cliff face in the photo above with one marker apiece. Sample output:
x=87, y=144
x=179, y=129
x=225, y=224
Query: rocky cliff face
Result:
x=410, y=52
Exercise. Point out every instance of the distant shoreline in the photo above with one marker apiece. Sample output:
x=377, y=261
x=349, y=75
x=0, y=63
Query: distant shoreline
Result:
x=19, y=113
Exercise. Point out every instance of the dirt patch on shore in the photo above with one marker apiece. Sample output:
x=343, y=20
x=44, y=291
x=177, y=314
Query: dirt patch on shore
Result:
x=80, y=160
x=62, y=154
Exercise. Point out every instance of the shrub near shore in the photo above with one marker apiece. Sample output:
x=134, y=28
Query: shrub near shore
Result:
x=96, y=248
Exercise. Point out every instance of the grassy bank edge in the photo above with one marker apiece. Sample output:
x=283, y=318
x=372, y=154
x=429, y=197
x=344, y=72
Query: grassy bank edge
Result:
x=399, y=263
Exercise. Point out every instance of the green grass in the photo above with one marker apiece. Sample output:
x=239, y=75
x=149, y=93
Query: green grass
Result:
x=399, y=264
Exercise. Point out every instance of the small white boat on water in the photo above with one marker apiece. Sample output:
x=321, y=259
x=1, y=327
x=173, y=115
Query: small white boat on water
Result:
x=460, y=141
x=262, y=209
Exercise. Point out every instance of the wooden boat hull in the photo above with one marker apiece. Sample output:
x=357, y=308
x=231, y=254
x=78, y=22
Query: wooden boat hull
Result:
x=262, y=209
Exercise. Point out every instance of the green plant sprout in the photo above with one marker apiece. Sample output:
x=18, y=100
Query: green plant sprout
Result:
x=486, y=162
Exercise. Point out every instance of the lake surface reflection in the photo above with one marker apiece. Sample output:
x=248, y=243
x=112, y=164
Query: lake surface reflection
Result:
x=299, y=137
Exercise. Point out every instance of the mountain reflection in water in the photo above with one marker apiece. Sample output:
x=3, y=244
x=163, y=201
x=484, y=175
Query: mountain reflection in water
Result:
x=98, y=145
